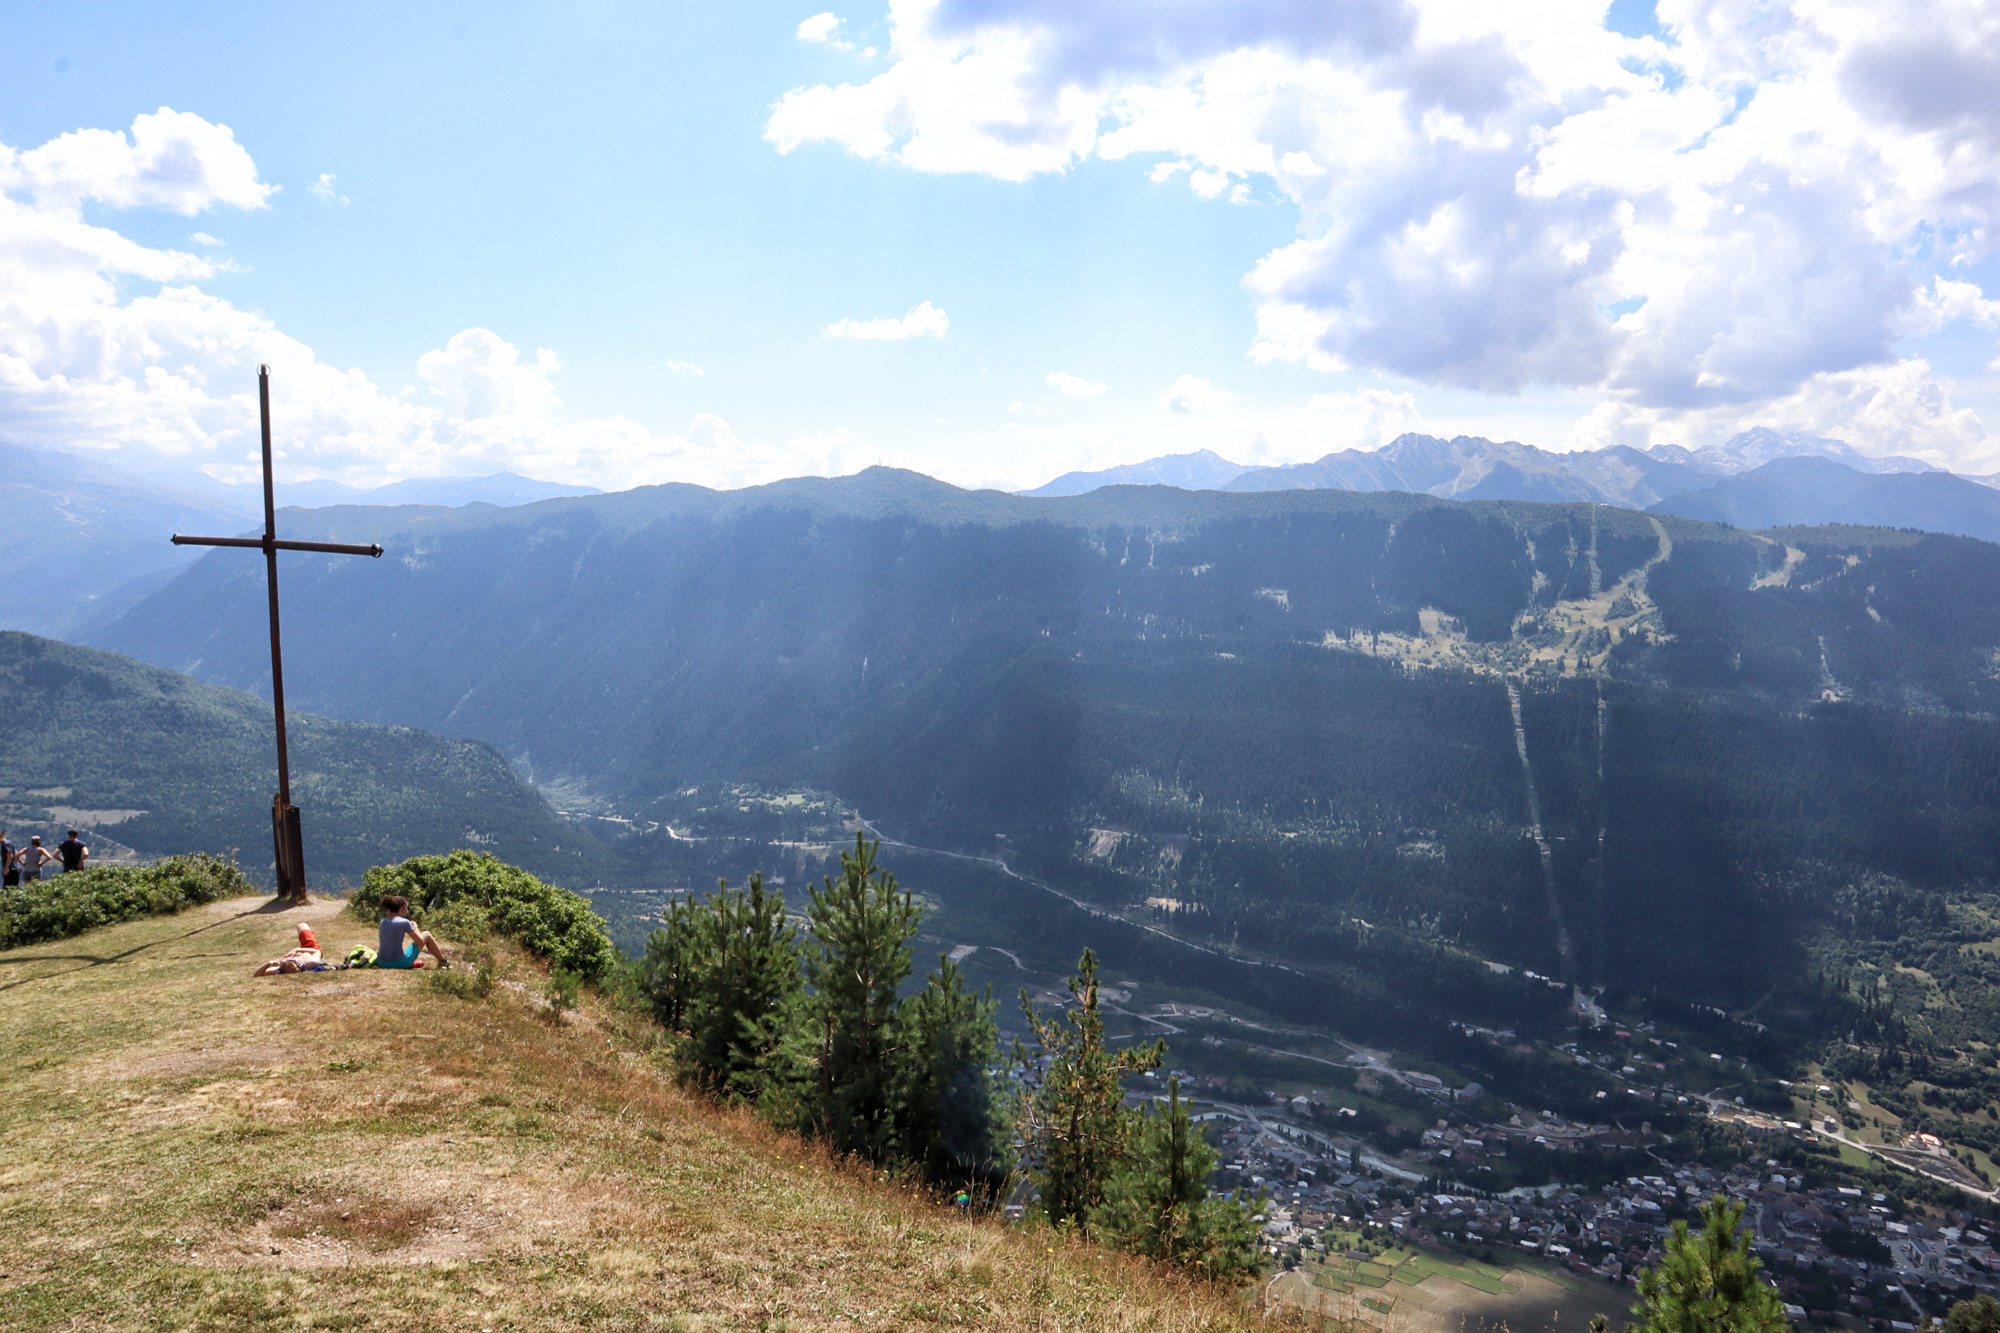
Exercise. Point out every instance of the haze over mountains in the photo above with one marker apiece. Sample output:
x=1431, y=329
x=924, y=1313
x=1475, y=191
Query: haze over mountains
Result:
x=1203, y=470
x=76, y=532
x=1499, y=724
x=499, y=488
x=1844, y=485
x=1509, y=727
x=1820, y=490
x=92, y=537
x=84, y=535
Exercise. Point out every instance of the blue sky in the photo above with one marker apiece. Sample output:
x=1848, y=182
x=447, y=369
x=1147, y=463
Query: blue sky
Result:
x=621, y=185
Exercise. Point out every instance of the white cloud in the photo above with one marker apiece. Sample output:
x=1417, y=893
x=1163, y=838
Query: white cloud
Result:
x=1074, y=386
x=1897, y=408
x=1369, y=419
x=171, y=160
x=480, y=377
x=1192, y=393
x=923, y=321
x=682, y=368
x=824, y=30
x=1947, y=302
x=111, y=347
x=1769, y=197
x=326, y=191
x=203, y=238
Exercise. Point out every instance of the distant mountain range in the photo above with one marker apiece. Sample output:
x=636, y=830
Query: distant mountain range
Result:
x=1470, y=468
x=1284, y=709
x=1804, y=491
x=1841, y=485
x=80, y=535
x=499, y=488
x=74, y=533
x=1200, y=471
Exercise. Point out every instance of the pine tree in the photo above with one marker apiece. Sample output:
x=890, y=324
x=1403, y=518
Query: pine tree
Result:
x=1708, y=1282
x=1981, y=1314
x=948, y=1115
x=1157, y=1203
x=861, y=928
x=731, y=965
x=1072, y=1115
x=666, y=970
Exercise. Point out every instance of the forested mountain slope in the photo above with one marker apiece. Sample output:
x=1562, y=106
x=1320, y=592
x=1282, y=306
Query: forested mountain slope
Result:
x=149, y=761
x=1819, y=490
x=1332, y=728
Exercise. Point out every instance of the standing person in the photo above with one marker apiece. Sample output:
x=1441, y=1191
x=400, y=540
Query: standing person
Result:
x=73, y=853
x=403, y=943
x=33, y=859
x=10, y=871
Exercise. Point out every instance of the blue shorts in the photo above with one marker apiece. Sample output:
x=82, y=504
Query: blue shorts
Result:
x=411, y=955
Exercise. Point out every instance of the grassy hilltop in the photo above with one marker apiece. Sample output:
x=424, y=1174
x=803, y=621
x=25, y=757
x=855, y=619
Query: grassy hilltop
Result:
x=186, y=1148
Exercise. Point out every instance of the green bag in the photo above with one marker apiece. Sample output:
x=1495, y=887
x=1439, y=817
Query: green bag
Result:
x=361, y=956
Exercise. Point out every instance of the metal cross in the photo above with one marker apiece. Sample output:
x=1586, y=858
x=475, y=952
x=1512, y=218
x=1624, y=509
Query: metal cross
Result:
x=287, y=844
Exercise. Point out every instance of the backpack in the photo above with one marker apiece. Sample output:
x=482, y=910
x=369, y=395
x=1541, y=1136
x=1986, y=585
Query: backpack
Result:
x=360, y=956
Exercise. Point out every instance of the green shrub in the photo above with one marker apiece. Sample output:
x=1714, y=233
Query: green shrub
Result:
x=55, y=909
x=561, y=994
x=465, y=888
x=466, y=922
x=471, y=981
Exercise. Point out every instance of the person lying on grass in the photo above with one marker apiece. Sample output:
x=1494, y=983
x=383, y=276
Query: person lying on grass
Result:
x=404, y=942
x=305, y=958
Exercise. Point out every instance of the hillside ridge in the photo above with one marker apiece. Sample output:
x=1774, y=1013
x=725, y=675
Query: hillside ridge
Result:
x=190, y=1148
x=151, y=762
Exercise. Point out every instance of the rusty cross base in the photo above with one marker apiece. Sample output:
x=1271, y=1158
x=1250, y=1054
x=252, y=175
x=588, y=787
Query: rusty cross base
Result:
x=287, y=845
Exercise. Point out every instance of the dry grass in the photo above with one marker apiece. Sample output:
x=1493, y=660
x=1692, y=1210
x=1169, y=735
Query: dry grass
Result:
x=182, y=1147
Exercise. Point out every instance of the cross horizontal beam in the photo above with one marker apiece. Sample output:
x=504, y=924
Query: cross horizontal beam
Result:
x=273, y=544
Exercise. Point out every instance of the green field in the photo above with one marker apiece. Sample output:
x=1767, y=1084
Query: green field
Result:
x=1410, y=1267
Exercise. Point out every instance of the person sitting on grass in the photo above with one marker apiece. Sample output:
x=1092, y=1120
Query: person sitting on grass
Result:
x=404, y=942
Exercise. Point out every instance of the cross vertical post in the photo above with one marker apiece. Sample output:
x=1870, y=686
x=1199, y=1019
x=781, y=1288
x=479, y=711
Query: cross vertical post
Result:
x=287, y=837
x=287, y=840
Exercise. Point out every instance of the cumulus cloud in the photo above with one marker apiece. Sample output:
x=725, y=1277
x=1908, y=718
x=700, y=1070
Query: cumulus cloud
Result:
x=1947, y=302
x=1369, y=419
x=923, y=321
x=1897, y=408
x=170, y=160
x=1502, y=196
x=824, y=30
x=1192, y=393
x=1074, y=386
x=326, y=191
x=108, y=346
